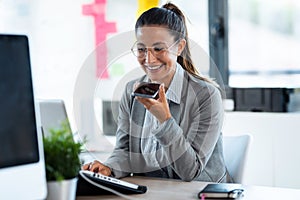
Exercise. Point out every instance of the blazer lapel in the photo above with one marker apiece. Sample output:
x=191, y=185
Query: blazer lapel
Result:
x=136, y=126
x=175, y=108
x=175, y=111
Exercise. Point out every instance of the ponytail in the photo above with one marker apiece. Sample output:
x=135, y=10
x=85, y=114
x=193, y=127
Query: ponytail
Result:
x=185, y=59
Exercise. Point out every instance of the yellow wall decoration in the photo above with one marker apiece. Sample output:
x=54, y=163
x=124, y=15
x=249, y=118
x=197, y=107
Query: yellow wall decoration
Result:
x=144, y=5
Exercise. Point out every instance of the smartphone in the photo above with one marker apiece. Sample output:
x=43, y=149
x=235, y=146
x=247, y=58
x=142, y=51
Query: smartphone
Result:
x=147, y=90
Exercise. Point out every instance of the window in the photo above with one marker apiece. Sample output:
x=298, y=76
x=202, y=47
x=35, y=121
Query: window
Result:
x=264, y=43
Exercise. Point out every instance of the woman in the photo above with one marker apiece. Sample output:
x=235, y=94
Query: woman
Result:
x=177, y=135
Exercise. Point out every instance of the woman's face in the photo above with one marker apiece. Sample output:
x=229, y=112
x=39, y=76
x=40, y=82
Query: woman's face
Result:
x=157, y=53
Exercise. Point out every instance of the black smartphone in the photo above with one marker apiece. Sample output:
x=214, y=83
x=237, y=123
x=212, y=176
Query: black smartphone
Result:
x=147, y=90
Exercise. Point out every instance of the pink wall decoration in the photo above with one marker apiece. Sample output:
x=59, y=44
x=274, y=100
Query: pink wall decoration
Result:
x=102, y=28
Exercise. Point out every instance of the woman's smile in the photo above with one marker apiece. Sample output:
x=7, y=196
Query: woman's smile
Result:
x=153, y=68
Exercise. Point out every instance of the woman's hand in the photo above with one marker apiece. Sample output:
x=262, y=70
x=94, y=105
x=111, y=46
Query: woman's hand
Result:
x=160, y=107
x=97, y=167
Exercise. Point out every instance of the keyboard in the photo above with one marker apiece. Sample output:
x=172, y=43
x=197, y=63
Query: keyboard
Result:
x=86, y=188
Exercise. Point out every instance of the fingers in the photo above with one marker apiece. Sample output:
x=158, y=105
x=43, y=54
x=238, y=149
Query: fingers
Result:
x=162, y=93
x=105, y=171
x=86, y=166
x=97, y=167
x=94, y=166
x=135, y=85
x=146, y=102
x=158, y=108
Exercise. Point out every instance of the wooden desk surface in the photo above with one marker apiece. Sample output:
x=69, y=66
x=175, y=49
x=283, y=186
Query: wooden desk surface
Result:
x=164, y=189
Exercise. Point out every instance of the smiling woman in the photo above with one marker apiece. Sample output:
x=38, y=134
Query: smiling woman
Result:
x=159, y=60
x=178, y=135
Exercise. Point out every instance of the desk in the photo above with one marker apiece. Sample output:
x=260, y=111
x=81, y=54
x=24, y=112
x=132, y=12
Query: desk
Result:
x=164, y=189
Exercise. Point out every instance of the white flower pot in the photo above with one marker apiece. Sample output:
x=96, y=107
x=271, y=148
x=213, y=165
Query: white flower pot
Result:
x=62, y=190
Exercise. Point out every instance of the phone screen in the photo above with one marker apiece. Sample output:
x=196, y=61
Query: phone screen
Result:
x=147, y=90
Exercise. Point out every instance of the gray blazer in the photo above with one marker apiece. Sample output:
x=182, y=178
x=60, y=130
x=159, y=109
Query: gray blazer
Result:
x=189, y=144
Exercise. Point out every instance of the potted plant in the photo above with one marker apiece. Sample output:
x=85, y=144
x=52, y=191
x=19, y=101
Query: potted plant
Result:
x=62, y=163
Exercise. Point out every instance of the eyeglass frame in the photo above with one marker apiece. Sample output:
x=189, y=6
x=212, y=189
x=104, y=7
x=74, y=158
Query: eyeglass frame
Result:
x=146, y=51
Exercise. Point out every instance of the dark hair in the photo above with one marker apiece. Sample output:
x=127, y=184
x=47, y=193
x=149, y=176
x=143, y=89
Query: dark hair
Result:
x=172, y=18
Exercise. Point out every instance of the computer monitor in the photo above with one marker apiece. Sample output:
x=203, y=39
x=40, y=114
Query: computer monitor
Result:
x=22, y=167
x=53, y=114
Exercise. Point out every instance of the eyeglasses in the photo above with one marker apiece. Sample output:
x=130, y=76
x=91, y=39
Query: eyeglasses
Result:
x=158, y=50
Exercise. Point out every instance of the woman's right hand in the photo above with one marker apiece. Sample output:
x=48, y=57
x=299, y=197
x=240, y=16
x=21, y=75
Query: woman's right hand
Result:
x=160, y=107
x=97, y=167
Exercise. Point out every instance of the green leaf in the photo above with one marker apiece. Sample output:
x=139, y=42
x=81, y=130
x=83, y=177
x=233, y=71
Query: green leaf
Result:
x=61, y=154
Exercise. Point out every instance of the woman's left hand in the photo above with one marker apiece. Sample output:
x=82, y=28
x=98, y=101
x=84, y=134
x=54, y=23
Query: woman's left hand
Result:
x=160, y=107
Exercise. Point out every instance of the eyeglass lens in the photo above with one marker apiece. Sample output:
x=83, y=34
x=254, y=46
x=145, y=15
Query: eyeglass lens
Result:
x=140, y=50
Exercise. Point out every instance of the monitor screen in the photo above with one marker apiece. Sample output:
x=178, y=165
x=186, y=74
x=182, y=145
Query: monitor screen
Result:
x=18, y=134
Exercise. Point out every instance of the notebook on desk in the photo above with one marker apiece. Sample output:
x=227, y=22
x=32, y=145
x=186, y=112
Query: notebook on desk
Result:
x=221, y=191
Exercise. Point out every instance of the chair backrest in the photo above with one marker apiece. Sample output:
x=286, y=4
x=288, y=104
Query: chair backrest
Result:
x=235, y=150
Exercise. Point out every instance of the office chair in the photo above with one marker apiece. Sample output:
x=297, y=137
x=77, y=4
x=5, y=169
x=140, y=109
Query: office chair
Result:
x=235, y=149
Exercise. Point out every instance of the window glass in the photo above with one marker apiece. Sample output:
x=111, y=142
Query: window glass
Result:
x=264, y=43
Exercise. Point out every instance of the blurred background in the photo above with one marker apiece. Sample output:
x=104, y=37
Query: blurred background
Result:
x=253, y=43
